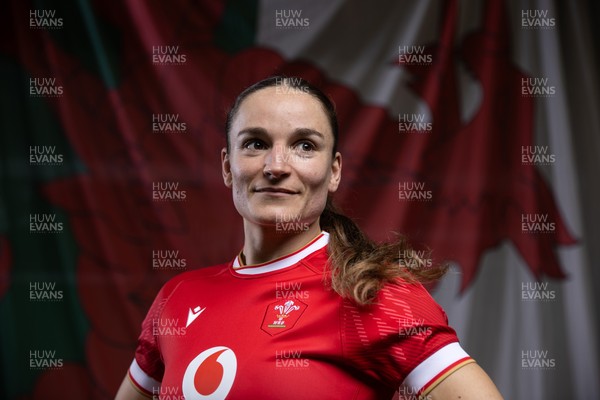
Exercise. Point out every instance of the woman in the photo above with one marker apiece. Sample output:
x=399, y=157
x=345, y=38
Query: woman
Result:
x=310, y=308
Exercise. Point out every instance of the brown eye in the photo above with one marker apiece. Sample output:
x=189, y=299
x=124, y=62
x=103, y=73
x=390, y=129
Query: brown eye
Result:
x=305, y=146
x=254, y=144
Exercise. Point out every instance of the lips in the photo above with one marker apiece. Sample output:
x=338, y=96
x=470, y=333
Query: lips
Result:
x=270, y=189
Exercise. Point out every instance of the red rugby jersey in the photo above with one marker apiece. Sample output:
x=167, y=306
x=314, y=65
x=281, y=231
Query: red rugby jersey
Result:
x=275, y=330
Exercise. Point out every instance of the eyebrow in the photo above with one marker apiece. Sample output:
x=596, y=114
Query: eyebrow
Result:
x=299, y=132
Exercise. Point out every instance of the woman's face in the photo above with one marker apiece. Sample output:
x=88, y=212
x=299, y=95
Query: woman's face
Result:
x=280, y=165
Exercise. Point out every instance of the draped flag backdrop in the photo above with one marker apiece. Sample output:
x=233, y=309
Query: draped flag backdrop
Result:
x=471, y=126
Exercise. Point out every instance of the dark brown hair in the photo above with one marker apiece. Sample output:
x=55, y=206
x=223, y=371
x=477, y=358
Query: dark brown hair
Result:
x=359, y=267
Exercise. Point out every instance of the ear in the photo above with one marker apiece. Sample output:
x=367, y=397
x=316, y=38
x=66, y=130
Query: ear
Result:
x=336, y=172
x=226, y=167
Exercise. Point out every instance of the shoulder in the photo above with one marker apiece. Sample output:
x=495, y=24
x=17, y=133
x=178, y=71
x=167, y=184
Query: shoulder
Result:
x=170, y=291
x=196, y=275
x=401, y=299
x=399, y=304
x=401, y=311
x=395, y=334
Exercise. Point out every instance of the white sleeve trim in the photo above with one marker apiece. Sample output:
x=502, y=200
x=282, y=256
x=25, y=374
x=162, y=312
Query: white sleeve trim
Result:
x=423, y=374
x=142, y=379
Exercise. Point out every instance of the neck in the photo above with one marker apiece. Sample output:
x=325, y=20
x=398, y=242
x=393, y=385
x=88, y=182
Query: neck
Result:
x=263, y=243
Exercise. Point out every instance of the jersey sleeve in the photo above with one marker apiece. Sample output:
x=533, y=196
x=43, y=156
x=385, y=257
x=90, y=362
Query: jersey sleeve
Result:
x=147, y=369
x=403, y=340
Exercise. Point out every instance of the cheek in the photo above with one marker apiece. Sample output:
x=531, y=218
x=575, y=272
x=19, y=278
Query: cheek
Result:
x=317, y=190
x=240, y=186
x=315, y=176
x=240, y=172
x=239, y=182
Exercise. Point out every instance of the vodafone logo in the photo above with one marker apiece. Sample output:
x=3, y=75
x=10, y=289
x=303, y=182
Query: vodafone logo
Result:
x=210, y=375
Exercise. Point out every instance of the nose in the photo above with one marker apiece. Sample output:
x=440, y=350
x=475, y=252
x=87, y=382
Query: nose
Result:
x=277, y=162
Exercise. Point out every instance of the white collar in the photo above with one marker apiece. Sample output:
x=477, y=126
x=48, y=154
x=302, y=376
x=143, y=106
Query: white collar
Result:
x=283, y=262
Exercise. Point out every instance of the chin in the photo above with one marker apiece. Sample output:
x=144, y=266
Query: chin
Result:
x=270, y=210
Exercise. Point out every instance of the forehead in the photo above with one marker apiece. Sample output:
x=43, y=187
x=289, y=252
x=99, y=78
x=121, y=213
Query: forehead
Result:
x=282, y=108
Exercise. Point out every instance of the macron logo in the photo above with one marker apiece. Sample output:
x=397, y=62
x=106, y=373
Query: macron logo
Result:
x=193, y=314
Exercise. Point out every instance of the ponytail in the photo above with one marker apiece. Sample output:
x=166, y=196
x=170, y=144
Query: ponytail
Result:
x=360, y=268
